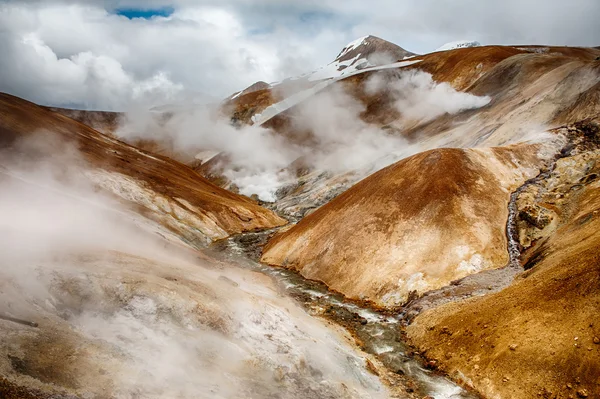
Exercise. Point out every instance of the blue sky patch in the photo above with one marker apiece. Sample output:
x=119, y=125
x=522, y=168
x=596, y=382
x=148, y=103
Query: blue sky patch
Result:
x=132, y=13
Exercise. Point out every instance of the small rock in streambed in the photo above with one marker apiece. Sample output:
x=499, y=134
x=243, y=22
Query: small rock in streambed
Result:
x=513, y=347
x=582, y=393
x=446, y=330
x=228, y=281
x=431, y=365
x=597, y=340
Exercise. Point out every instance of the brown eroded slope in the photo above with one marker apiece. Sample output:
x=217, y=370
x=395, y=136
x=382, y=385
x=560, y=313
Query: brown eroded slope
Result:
x=164, y=189
x=243, y=107
x=413, y=226
x=540, y=337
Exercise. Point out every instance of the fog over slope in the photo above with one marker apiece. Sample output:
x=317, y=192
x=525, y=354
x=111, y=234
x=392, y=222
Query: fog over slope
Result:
x=124, y=311
x=257, y=156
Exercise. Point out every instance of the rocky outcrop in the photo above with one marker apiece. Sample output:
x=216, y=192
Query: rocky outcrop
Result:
x=413, y=226
x=550, y=199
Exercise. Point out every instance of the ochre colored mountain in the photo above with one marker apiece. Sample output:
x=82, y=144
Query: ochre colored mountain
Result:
x=428, y=221
x=419, y=224
x=413, y=226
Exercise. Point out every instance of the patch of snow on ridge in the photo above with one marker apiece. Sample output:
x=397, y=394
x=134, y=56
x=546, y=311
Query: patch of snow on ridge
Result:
x=352, y=45
x=339, y=68
x=458, y=44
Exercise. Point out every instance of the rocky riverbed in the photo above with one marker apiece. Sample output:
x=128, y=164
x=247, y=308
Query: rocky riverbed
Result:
x=376, y=332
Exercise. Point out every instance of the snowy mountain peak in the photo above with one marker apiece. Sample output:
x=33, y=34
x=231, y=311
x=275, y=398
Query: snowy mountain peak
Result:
x=459, y=44
x=367, y=47
x=364, y=52
x=352, y=45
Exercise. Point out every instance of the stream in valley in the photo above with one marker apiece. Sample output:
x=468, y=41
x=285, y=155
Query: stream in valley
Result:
x=376, y=332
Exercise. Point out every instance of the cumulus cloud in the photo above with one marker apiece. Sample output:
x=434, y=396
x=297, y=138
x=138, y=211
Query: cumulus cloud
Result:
x=80, y=53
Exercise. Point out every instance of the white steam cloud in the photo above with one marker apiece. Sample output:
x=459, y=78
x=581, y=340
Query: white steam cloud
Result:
x=420, y=99
x=337, y=139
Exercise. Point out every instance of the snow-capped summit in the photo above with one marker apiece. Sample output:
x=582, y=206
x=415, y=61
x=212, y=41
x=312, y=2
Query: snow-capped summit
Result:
x=367, y=51
x=459, y=44
x=368, y=47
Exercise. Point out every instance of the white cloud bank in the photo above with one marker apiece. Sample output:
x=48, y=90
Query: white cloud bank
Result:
x=82, y=55
x=79, y=53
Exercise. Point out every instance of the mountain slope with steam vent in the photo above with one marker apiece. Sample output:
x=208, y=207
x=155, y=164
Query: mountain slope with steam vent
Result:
x=104, y=292
x=166, y=190
x=460, y=67
x=528, y=92
x=361, y=54
x=416, y=184
x=426, y=233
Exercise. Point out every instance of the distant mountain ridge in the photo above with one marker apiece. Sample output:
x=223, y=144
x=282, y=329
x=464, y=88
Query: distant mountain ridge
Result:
x=458, y=44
